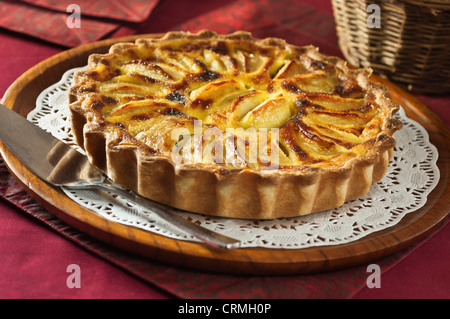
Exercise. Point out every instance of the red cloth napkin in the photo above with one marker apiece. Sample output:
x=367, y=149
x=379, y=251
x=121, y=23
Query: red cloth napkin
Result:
x=47, y=19
x=295, y=22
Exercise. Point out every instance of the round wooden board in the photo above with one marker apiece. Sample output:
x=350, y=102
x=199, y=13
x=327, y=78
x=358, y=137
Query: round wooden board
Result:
x=21, y=97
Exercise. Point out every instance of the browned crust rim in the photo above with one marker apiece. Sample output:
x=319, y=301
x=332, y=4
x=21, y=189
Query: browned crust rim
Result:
x=111, y=155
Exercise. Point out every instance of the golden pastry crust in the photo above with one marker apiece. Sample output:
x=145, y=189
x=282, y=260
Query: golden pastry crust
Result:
x=323, y=132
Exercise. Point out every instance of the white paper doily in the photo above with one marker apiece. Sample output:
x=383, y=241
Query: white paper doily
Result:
x=411, y=176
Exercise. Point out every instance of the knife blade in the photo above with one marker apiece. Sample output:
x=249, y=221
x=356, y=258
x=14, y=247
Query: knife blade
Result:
x=61, y=165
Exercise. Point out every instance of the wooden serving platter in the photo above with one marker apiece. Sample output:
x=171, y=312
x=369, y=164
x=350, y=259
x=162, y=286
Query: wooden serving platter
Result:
x=21, y=97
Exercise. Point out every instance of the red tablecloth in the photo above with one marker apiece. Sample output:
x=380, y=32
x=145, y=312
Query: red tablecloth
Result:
x=36, y=249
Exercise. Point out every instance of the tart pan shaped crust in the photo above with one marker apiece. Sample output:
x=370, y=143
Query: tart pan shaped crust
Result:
x=236, y=193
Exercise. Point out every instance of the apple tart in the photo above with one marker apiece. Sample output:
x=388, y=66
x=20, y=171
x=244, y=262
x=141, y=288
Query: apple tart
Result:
x=233, y=126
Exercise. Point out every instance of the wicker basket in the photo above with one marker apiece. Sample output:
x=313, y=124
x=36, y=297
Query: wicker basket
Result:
x=411, y=47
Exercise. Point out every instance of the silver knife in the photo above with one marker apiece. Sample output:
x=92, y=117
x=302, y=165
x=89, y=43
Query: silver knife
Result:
x=61, y=165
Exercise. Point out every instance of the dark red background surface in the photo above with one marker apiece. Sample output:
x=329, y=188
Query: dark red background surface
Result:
x=34, y=256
